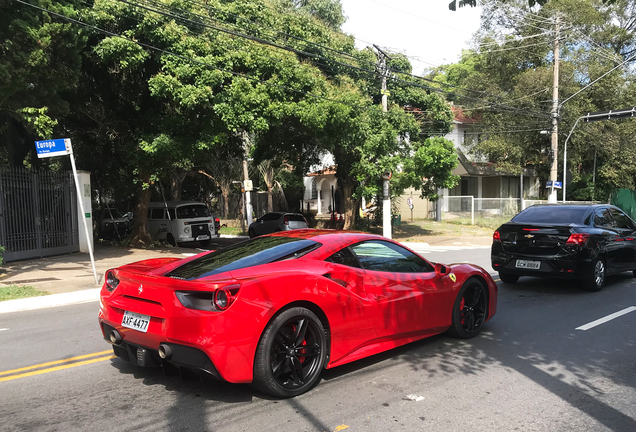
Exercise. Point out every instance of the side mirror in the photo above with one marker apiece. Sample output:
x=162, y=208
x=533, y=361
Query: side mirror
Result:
x=441, y=270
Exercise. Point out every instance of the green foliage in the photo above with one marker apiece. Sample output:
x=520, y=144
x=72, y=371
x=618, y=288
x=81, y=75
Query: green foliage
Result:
x=1, y=254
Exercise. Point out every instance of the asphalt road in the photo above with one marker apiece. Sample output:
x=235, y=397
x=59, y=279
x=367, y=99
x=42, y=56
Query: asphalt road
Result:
x=530, y=369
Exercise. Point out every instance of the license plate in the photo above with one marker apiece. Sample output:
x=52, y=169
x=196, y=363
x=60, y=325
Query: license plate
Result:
x=534, y=265
x=135, y=321
x=203, y=237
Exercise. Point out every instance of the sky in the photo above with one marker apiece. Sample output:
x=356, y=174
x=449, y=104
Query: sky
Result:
x=424, y=30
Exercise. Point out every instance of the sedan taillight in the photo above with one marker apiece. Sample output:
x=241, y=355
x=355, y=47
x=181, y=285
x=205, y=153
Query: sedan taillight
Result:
x=496, y=237
x=286, y=221
x=578, y=239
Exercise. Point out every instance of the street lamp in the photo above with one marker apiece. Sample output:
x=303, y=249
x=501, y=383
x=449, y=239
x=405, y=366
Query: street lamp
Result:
x=590, y=117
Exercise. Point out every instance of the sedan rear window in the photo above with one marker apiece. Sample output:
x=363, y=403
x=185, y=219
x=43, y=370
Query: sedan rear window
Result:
x=296, y=218
x=554, y=214
x=261, y=250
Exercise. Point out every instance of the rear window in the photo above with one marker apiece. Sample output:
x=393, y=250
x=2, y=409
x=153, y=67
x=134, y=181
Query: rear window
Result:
x=192, y=211
x=295, y=218
x=261, y=250
x=552, y=215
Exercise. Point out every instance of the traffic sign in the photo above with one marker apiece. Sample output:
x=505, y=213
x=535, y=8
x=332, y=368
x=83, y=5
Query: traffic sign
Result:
x=555, y=185
x=53, y=147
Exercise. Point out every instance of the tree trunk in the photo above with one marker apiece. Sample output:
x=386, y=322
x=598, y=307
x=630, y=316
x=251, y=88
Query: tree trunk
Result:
x=140, y=235
x=225, y=193
x=349, y=203
x=176, y=182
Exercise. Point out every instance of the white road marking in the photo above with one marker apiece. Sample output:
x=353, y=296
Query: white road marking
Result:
x=607, y=318
x=4, y=329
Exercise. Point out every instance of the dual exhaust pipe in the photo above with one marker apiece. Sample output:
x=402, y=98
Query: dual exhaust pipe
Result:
x=165, y=352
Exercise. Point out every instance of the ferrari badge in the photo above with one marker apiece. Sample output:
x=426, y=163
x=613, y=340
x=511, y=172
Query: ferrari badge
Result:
x=452, y=277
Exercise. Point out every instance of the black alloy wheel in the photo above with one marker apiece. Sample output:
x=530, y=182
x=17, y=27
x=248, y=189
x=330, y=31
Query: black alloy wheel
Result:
x=595, y=279
x=470, y=310
x=290, y=354
x=508, y=278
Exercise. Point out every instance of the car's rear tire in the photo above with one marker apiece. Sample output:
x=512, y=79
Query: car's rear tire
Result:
x=595, y=278
x=508, y=277
x=290, y=354
x=470, y=310
x=252, y=233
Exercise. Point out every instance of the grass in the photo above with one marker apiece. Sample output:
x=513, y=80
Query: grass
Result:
x=231, y=231
x=12, y=292
x=420, y=229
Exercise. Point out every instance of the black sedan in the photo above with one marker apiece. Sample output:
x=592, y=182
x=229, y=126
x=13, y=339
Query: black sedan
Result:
x=277, y=221
x=585, y=242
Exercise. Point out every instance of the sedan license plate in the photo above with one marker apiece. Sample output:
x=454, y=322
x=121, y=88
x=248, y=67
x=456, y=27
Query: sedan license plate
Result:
x=203, y=237
x=135, y=321
x=524, y=264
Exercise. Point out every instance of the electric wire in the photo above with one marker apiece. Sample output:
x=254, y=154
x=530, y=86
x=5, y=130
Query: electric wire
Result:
x=376, y=73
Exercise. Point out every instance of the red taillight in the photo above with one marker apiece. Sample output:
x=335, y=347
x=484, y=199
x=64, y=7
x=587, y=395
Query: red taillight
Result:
x=531, y=229
x=286, y=221
x=213, y=301
x=111, y=281
x=496, y=237
x=222, y=299
x=577, y=239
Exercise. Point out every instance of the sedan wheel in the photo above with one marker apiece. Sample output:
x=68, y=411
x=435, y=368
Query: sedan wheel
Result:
x=596, y=278
x=290, y=354
x=470, y=310
x=508, y=278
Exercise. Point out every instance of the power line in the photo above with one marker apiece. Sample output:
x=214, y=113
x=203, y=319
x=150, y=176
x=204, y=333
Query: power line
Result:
x=190, y=59
x=373, y=72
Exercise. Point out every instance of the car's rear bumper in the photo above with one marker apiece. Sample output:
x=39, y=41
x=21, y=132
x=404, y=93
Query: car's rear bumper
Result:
x=182, y=356
x=570, y=266
x=217, y=351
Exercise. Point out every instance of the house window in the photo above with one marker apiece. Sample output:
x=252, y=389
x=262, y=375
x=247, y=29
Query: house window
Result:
x=314, y=188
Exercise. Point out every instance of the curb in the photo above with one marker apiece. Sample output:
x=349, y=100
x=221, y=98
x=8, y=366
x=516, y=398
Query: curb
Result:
x=47, y=301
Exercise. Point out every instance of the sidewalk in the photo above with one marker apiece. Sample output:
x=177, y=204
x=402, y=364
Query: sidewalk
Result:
x=69, y=278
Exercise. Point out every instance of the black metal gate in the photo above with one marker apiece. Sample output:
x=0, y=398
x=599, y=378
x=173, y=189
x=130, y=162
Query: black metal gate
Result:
x=38, y=213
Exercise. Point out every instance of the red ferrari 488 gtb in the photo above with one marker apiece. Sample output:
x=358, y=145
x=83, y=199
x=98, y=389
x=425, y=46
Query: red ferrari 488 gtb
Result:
x=275, y=310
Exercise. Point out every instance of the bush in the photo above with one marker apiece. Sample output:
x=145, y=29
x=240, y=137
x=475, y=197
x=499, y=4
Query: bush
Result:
x=1, y=253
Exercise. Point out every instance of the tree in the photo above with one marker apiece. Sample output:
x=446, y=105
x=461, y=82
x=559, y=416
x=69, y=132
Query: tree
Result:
x=39, y=65
x=511, y=65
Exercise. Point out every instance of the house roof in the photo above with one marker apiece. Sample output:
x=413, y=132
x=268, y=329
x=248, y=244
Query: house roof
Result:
x=487, y=168
x=325, y=171
x=461, y=117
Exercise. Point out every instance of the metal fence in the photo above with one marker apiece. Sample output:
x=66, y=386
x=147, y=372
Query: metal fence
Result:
x=38, y=213
x=468, y=208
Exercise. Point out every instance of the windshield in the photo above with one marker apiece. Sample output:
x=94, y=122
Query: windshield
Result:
x=555, y=214
x=261, y=250
x=192, y=211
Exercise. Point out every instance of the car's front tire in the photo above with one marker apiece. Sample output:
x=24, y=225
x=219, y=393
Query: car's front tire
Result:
x=508, y=277
x=252, y=233
x=470, y=310
x=595, y=279
x=290, y=354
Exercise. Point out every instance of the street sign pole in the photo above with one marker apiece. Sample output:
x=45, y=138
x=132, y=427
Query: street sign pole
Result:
x=60, y=147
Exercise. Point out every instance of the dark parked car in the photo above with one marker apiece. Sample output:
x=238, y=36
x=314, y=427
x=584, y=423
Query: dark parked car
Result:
x=585, y=242
x=277, y=221
x=115, y=225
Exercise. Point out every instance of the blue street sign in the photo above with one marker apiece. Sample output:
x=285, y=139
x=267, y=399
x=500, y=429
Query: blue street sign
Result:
x=54, y=147
x=557, y=184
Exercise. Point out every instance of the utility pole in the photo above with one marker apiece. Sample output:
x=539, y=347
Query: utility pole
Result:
x=386, y=201
x=552, y=198
x=247, y=184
